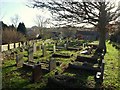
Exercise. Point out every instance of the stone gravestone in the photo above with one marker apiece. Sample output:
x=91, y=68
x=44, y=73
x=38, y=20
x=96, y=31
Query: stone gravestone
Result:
x=40, y=47
x=19, y=60
x=30, y=54
x=43, y=50
x=34, y=47
x=36, y=73
x=83, y=45
x=65, y=46
x=54, y=48
x=52, y=64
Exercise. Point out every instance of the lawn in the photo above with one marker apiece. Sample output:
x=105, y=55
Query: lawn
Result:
x=13, y=77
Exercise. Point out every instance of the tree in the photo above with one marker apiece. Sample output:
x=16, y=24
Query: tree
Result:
x=41, y=23
x=21, y=28
x=15, y=20
x=98, y=14
x=10, y=35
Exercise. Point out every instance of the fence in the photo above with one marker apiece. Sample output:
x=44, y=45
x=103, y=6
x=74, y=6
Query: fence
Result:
x=16, y=45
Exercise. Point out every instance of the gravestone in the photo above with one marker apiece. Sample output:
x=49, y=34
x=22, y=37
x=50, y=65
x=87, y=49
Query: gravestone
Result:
x=14, y=45
x=43, y=50
x=8, y=46
x=54, y=48
x=36, y=73
x=13, y=55
x=34, y=47
x=52, y=64
x=19, y=60
x=30, y=54
x=40, y=47
x=83, y=45
x=65, y=46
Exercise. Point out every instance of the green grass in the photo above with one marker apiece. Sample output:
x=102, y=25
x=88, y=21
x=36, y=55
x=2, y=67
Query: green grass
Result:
x=111, y=68
x=14, y=77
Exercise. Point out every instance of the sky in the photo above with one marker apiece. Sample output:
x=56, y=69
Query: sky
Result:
x=10, y=8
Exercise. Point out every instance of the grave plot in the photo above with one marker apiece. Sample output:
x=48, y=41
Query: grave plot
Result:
x=63, y=81
x=35, y=69
x=74, y=48
x=95, y=46
x=63, y=54
x=87, y=59
x=87, y=51
x=86, y=67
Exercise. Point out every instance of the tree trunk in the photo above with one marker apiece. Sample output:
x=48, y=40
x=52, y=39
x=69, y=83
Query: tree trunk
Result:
x=102, y=27
x=102, y=39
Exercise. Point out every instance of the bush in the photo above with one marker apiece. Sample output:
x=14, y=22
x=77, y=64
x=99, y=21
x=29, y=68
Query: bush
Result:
x=12, y=36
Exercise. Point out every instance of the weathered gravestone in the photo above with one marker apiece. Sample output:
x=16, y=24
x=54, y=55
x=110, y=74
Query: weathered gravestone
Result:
x=30, y=54
x=36, y=73
x=35, y=69
x=34, y=47
x=13, y=55
x=65, y=46
x=54, y=48
x=52, y=64
x=19, y=60
x=43, y=50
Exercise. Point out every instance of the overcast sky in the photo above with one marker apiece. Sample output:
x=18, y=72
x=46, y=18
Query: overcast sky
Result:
x=9, y=8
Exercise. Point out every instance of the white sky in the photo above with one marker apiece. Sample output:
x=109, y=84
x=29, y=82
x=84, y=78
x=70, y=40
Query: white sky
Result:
x=9, y=8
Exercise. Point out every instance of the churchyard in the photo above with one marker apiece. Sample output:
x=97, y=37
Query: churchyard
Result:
x=61, y=64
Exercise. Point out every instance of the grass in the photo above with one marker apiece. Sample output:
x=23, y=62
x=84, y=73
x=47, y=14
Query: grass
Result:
x=14, y=77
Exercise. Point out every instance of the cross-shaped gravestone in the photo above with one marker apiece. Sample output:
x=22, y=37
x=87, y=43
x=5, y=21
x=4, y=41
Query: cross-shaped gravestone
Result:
x=30, y=54
x=52, y=64
x=19, y=60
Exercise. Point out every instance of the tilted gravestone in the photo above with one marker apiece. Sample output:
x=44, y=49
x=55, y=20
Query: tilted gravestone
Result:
x=19, y=60
x=52, y=64
x=30, y=54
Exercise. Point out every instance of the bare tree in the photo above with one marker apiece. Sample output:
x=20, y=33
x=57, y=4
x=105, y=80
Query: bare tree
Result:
x=41, y=23
x=98, y=14
x=15, y=20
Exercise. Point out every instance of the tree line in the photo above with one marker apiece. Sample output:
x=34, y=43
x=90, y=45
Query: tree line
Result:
x=12, y=34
